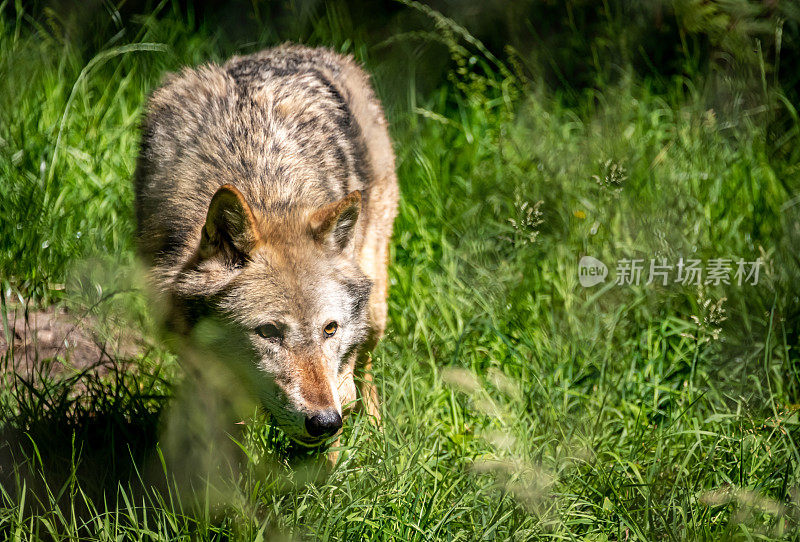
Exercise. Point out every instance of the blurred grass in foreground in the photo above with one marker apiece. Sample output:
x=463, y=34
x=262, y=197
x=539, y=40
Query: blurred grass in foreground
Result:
x=517, y=404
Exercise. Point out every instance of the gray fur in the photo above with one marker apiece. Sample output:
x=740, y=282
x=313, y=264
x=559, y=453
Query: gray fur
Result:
x=292, y=146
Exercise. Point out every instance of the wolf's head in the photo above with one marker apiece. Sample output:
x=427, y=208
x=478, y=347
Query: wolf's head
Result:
x=289, y=299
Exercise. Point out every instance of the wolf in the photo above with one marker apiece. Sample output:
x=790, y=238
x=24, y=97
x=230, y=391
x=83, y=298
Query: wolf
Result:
x=265, y=195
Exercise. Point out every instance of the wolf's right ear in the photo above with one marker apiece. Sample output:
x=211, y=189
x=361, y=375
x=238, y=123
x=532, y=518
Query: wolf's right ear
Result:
x=334, y=225
x=230, y=229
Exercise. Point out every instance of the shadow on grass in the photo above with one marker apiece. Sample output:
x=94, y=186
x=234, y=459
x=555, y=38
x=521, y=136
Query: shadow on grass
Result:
x=71, y=442
x=74, y=449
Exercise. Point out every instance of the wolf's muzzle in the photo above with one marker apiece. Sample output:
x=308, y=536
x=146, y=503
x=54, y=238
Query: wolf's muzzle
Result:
x=323, y=424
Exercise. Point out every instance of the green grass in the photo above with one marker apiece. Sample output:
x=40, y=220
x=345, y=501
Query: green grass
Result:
x=516, y=403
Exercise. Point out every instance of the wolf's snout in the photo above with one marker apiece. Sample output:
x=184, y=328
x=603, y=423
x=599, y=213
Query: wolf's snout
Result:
x=323, y=424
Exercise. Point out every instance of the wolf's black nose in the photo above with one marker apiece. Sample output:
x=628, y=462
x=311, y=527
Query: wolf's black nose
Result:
x=323, y=424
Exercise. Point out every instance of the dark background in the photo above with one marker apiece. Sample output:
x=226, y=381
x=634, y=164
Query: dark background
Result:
x=568, y=46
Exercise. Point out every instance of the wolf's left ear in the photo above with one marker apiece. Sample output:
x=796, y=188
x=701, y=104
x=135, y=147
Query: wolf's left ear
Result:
x=334, y=225
x=230, y=228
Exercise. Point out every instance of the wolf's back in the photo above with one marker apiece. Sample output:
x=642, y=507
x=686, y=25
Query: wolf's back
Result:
x=290, y=127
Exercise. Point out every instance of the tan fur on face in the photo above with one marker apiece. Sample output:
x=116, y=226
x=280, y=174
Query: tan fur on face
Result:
x=266, y=191
x=315, y=386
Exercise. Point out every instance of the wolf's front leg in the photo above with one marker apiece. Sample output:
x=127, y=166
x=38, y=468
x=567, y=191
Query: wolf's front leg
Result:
x=346, y=388
x=369, y=393
x=366, y=387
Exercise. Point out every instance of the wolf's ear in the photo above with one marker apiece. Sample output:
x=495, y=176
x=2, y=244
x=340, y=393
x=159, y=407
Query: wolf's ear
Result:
x=334, y=224
x=230, y=229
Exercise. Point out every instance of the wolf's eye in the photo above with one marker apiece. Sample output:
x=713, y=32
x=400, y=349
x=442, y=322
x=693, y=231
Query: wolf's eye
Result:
x=330, y=329
x=270, y=332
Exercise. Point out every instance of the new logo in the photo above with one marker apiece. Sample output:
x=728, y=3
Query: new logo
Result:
x=591, y=271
